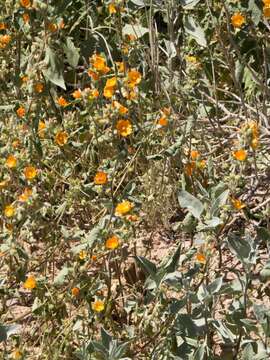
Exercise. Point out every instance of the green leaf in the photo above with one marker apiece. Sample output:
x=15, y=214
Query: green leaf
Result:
x=195, y=30
x=188, y=201
x=263, y=234
x=7, y=330
x=106, y=338
x=189, y=4
x=172, y=264
x=72, y=53
x=147, y=266
x=199, y=353
x=255, y=12
x=244, y=248
x=136, y=30
x=60, y=278
x=54, y=72
x=218, y=202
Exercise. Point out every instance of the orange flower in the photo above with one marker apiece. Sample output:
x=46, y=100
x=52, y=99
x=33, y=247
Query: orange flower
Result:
x=124, y=127
x=99, y=63
x=30, y=172
x=62, y=101
x=134, y=78
x=9, y=211
x=266, y=11
x=41, y=129
x=163, y=121
x=21, y=111
x=194, y=154
x=61, y=138
x=25, y=195
x=30, y=283
x=266, y=2
x=112, y=243
x=75, y=291
x=100, y=178
x=121, y=108
x=240, y=154
x=52, y=27
x=237, y=204
x=123, y=208
x=24, y=78
x=26, y=18
x=237, y=20
x=254, y=143
x=98, y=306
x=94, y=258
x=16, y=143
x=4, y=41
x=77, y=94
x=25, y=3
x=11, y=161
x=94, y=76
x=201, y=258
x=3, y=26
x=39, y=87
x=189, y=168
x=94, y=93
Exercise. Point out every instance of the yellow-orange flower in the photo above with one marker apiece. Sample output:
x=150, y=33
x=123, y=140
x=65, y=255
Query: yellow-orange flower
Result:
x=77, y=94
x=82, y=255
x=30, y=172
x=108, y=92
x=134, y=78
x=124, y=127
x=75, y=291
x=16, y=355
x=194, y=154
x=62, y=101
x=98, y=306
x=3, y=184
x=112, y=243
x=41, y=129
x=237, y=204
x=9, y=211
x=30, y=283
x=100, y=178
x=112, y=8
x=266, y=2
x=11, y=161
x=123, y=208
x=237, y=20
x=201, y=258
x=240, y=154
x=25, y=195
x=21, y=112
x=39, y=87
x=61, y=138
x=120, y=66
x=25, y=3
